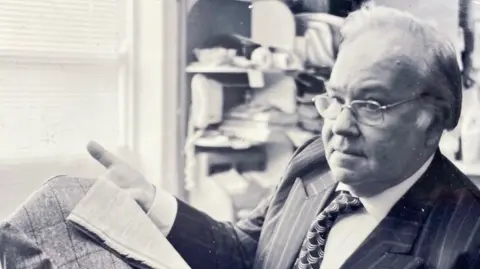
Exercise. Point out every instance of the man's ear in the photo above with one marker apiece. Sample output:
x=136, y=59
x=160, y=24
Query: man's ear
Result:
x=432, y=120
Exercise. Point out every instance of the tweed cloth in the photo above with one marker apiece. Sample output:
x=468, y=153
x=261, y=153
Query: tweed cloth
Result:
x=37, y=235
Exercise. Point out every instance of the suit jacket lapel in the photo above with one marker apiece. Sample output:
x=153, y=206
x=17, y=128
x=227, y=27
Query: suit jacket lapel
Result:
x=301, y=208
x=396, y=233
x=309, y=157
x=400, y=229
x=312, y=187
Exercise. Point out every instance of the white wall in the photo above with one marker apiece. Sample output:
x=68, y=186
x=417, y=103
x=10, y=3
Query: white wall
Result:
x=156, y=90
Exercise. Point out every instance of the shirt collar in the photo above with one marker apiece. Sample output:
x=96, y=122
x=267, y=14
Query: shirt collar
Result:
x=379, y=205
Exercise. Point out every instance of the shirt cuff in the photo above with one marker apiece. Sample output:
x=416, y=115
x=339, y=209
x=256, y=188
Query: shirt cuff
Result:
x=163, y=211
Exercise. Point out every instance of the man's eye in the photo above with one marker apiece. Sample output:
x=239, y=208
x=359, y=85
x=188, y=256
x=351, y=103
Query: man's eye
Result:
x=370, y=106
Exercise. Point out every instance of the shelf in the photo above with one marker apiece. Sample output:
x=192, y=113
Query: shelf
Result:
x=198, y=68
x=230, y=76
x=261, y=131
x=194, y=68
x=223, y=142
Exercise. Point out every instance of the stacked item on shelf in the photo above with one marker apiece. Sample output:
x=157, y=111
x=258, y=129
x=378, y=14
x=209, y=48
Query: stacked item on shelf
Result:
x=222, y=153
x=257, y=121
x=235, y=53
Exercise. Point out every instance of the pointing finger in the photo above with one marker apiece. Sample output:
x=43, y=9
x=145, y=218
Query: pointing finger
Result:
x=101, y=155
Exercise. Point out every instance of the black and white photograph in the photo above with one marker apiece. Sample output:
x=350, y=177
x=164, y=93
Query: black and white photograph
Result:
x=239, y=134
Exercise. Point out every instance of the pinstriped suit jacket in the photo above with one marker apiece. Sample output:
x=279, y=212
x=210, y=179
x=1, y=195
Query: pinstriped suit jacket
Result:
x=436, y=224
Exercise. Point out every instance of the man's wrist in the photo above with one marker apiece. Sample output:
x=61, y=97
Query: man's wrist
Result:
x=147, y=198
x=163, y=210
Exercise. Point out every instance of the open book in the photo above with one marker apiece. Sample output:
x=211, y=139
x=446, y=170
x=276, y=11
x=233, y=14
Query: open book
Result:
x=111, y=218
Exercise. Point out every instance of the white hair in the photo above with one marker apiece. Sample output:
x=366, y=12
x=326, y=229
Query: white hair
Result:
x=437, y=59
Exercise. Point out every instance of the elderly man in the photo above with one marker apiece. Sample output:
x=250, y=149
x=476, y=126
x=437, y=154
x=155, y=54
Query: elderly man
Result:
x=373, y=192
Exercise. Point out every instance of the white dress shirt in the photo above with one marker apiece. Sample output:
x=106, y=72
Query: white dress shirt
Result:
x=163, y=211
x=345, y=236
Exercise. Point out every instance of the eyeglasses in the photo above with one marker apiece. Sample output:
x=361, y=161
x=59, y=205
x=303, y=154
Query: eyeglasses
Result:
x=368, y=112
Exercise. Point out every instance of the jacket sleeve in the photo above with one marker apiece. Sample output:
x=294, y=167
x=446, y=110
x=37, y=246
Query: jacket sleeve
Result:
x=206, y=243
x=19, y=251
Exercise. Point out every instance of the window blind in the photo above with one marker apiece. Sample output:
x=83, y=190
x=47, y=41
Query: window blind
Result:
x=60, y=75
x=61, y=28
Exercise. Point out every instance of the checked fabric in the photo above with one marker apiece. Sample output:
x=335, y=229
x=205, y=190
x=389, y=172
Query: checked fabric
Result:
x=313, y=247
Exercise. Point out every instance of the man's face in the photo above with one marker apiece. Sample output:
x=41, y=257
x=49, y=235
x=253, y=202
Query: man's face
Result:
x=374, y=67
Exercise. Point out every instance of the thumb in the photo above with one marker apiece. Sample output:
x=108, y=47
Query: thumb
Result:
x=101, y=155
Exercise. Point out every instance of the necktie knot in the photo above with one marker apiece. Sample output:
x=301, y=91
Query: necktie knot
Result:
x=343, y=203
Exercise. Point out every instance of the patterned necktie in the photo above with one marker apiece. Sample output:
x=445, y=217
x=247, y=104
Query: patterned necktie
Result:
x=313, y=247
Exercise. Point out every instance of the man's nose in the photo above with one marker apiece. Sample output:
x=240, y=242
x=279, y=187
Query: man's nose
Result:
x=345, y=124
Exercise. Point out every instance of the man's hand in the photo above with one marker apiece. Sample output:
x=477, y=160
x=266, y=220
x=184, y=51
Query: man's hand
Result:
x=124, y=176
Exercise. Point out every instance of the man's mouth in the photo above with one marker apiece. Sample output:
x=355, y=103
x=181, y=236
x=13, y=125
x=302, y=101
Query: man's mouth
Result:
x=349, y=152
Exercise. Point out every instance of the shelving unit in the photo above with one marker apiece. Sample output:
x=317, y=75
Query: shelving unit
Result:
x=247, y=154
x=232, y=164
